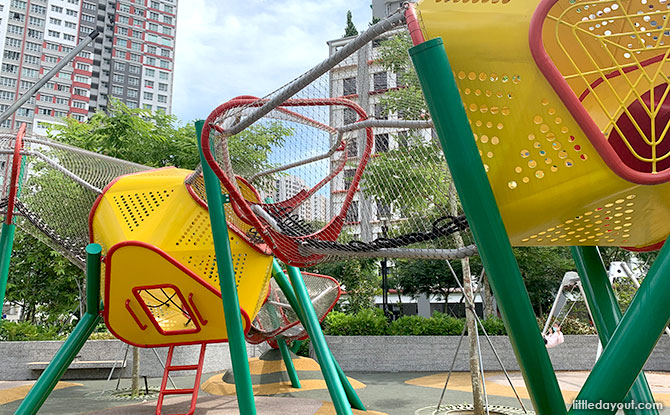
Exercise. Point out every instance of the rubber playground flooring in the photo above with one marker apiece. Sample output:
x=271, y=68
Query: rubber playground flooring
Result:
x=383, y=393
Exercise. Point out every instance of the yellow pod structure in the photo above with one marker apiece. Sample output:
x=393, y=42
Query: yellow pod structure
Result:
x=160, y=276
x=568, y=101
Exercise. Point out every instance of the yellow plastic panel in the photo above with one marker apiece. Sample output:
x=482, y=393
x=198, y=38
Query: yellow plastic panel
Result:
x=551, y=185
x=155, y=208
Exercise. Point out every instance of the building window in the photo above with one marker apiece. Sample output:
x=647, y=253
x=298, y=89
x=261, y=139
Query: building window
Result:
x=80, y=91
x=132, y=93
x=36, y=21
x=53, y=33
x=350, y=116
x=149, y=72
x=119, y=66
x=380, y=81
x=35, y=34
x=164, y=76
x=34, y=8
x=56, y=9
x=148, y=96
x=136, y=70
x=383, y=210
x=132, y=81
x=79, y=104
x=120, y=78
x=55, y=21
x=349, y=86
x=27, y=85
x=162, y=87
x=352, y=212
x=148, y=83
x=83, y=67
x=117, y=90
x=162, y=99
x=381, y=143
x=70, y=12
x=147, y=107
x=150, y=60
x=68, y=37
x=71, y=25
x=33, y=73
x=44, y=111
x=352, y=148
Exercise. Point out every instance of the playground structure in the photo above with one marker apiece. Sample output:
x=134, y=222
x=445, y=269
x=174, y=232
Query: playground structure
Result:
x=568, y=121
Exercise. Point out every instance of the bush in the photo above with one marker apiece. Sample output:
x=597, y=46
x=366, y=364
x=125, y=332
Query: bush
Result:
x=367, y=322
x=494, y=327
x=371, y=322
x=304, y=348
x=25, y=331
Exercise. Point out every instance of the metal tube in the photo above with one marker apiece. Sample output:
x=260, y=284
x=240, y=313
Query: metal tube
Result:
x=42, y=81
x=93, y=252
x=6, y=243
x=287, y=289
x=479, y=204
x=310, y=76
x=414, y=253
x=288, y=362
x=636, y=283
x=606, y=314
x=231, y=304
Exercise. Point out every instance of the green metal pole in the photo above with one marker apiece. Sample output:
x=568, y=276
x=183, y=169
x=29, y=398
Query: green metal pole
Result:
x=633, y=340
x=6, y=243
x=606, y=312
x=311, y=323
x=75, y=341
x=287, y=289
x=458, y=144
x=288, y=362
x=231, y=304
x=295, y=347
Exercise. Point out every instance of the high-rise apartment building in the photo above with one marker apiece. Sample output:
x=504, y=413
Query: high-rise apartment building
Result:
x=132, y=59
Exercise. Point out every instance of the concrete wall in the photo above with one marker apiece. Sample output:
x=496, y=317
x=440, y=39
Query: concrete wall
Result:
x=435, y=353
x=15, y=356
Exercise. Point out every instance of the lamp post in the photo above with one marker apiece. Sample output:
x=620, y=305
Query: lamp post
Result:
x=385, y=294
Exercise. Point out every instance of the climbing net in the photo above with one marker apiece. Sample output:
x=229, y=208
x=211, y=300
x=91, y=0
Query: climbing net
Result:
x=343, y=161
x=56, y=189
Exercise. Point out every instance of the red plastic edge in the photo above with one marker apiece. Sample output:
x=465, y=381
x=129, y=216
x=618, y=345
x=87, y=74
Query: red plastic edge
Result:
x=14, y=179
x=571, y=101
x=413, y=25
x=267, y=233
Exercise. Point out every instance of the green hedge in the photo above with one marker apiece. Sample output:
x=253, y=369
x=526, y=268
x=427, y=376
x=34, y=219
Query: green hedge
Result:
x=373, y=323
x=11, y=331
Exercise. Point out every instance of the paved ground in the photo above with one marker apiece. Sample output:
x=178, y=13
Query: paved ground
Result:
x=385, y=393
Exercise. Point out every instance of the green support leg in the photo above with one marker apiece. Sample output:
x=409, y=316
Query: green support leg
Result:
x=288, y=362
x=334, y=373
x=633, y=340
x=606, y=312
x=458, y=144
x=6, y=243
x=295, y=347
x=75, y=341
x=231, y=304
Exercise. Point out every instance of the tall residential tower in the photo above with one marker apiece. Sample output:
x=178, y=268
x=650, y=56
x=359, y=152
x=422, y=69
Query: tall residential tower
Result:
x=132, y=59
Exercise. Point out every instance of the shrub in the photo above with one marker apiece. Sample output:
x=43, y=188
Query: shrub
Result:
x=25, y=331
x=438, y=325
x=304, y=349
x=367, y=322
x=494, y=327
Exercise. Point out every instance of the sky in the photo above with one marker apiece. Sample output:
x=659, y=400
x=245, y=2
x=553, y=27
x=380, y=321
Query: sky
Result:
x=228, y=48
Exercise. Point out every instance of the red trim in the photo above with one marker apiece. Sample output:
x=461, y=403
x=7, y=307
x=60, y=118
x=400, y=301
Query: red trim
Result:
x=195, y=309
x=648, y=248
x=157, y=326
x=132, y=313
x=16, y=169
x=413, y=25
x=572, y=103
x=285, y=244
x=108, y=268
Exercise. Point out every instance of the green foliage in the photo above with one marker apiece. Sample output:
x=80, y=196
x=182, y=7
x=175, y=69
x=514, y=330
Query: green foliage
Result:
x=542, y=269
x=358, y=278
x=26, y=331
x=423, y=276
x=304, y=348
x=43, y=282
x=135, y=135
x=371, y=322
x=577, y=326
x=368, y=322
x=350, y=29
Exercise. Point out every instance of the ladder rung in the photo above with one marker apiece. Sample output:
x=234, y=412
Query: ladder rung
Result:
x=182, y=367
x=177, y=391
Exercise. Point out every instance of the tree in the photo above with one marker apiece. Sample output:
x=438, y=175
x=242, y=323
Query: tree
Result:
x=350, y=29
x=358, y=278
x=43, y=283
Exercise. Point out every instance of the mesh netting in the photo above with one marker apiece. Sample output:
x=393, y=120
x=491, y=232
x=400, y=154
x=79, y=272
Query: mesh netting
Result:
x=347, y=166
x=57, y=188
x=277, y=317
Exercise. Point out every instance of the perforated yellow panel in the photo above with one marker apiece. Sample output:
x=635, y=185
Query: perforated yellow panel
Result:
x=156, y=209
x=548, y=179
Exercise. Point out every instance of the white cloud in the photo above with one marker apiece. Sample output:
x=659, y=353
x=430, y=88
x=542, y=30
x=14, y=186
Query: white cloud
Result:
x=225, y=49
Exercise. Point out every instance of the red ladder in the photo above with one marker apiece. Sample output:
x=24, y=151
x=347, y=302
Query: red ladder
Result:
x=192, y=391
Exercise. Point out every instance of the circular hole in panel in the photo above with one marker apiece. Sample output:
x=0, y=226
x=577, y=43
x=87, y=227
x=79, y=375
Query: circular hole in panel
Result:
x=539, y=174
x=532, y=164
x=512, y=184
x=472, y=76
x=537, y=119
x=495, y=140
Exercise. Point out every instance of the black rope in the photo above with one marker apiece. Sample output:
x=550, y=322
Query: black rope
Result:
x=443, y=226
